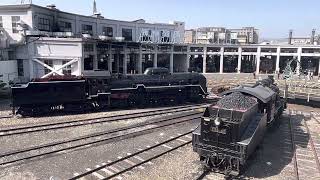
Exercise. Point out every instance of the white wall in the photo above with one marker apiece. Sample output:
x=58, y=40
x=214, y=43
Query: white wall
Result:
x=25, y=17
x=54, y=49
x=57, y=63
x=30, y=16
x=99, y=23
x=9, y=70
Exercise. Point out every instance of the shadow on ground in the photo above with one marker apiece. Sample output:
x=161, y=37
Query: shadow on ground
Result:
x=5, y=108
x=274, y=156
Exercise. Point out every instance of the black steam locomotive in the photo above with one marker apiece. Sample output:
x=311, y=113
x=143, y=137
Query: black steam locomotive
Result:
x=93, y=93
x=231, y=130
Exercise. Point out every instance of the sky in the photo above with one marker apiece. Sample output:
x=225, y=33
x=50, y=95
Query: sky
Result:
x=273, y=18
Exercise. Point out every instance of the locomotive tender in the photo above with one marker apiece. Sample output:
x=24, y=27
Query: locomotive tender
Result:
x=79, y=94
x=230, y=132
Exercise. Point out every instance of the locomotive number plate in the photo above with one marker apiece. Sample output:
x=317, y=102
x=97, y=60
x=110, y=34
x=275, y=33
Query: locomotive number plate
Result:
x=217, y=130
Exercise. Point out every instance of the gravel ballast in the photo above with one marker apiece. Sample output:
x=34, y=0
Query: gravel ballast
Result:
x=174, y=165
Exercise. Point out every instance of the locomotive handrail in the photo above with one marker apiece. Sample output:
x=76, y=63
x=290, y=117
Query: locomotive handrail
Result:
x=46, y=82
x=170, y=86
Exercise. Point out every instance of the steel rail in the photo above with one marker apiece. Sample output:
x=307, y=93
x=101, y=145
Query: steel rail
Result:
x=69, y=124
x=202, y=175
x=312, y=145
x=116, y=137
x=148, y=160
x=314, y=117
x=134, y=154
x=5, y=117
x=100, y=134
x=293, y=146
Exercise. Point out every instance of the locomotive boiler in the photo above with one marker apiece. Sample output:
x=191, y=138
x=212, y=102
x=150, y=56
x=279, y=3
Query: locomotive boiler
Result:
x=231, y=129
x=94, y=93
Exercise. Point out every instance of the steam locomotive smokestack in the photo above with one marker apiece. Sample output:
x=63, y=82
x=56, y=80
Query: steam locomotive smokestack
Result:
x=290, y=36
x=313, y=34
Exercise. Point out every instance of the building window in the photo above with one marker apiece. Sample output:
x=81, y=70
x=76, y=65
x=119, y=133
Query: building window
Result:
x=86, y=29
x=165, y=36
x=15, y=20
x=65, y=26
x=1, y=23
x=66, y=70
x=127, y=34
x=44, y=24
x=107, y=31
x=88, y=48
x=145, y=35
x=49, y=63
x=20, y=67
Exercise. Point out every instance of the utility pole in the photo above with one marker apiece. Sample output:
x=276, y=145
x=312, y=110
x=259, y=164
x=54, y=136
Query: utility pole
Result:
x=290, y=36
x=94, y=7
x=313, y=34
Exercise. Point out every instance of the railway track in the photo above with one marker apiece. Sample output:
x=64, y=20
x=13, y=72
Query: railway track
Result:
x=76, y=123
x=305, y=143
x=33, y=152
x=316, y=116
x=211, y=176
x=135, y=160
x=5, y=117
x=201, y=175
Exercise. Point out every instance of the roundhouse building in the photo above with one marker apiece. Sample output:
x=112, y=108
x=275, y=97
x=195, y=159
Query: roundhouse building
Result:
x=36, y=42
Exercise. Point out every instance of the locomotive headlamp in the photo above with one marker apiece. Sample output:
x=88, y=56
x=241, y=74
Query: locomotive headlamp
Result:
x=206, y=119
x=217, y=121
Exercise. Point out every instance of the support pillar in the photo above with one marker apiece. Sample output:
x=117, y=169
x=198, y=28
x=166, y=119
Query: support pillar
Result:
x=95, y=57
x=204, y=61
x=125, y=62
x=109, y=59
x=239, y=59
x=258, y=56
x=30, y=48
x=155, y=59
x=221, y=59
x=299, y=60
x=319, y=68
x=80, y=67
x=171, y=60
x=278, y=60
x=188, y=59
x=31, y=69
x=140, y=61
